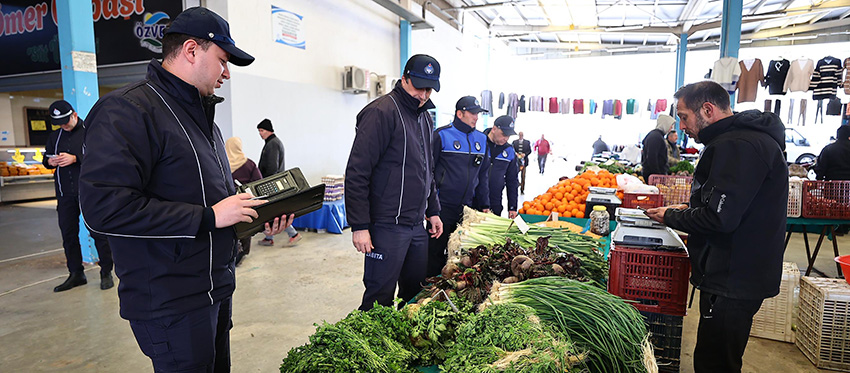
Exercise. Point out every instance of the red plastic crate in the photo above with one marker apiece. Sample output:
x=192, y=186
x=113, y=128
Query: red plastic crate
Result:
x=656, y=280
x=645, y=200
x=826, y=199
x=676, y=189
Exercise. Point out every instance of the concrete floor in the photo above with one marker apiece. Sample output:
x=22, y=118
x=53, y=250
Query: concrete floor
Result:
x=280, y=293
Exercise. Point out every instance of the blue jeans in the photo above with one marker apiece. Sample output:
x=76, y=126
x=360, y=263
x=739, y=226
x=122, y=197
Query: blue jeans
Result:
x=289, y=230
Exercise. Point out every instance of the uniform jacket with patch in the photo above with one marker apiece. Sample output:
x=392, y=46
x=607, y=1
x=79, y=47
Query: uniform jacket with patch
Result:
x=736, y=218
x=155, y=164
x=389, y=176
x=504, y=171
x=461, y=165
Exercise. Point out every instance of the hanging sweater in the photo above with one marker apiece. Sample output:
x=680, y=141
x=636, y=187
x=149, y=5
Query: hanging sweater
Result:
x=846, y=83
x=825, y=78
x=777, y=71
x=750, y=80
x=726, y=73
x=799, y=75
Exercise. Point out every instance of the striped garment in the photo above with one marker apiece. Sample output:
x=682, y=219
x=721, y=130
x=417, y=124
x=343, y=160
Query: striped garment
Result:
x=825, y=78
x=726, y=73
x=846, y=83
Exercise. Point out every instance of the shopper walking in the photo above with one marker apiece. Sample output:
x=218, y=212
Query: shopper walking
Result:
x=653, y=156
x=64, y=152
x=244, y=171
x=541, y=146
x=522, y=148
x=460, y=170
x=272, y=161
x=156, y=182
x=735, y=221
x=390, y=188
x=503, y=165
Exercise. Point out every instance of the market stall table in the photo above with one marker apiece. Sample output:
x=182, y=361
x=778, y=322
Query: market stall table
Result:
x=828, y=226
x=331, y=217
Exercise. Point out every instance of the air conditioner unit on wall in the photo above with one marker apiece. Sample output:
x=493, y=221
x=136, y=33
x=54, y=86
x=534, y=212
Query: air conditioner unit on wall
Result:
x=355, y=80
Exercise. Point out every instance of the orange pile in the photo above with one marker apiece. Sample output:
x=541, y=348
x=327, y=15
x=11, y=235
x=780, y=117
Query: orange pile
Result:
x=568, y=197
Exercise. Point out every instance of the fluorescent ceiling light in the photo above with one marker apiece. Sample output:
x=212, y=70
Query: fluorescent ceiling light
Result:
x=576, y=52
x=802, y=37
x=748, y=41
x=624, y=28
x=624, y=50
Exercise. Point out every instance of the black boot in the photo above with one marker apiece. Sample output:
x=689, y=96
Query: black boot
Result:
x=239, y=257
x=74, y=280
x=106, y=280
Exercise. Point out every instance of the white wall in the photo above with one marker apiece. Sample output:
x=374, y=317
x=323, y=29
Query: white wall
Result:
x=300, y=91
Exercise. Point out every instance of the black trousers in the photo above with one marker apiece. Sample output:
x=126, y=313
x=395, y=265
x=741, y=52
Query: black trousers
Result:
x=724, y=329
x=437, y=254
x=68, y=209
x=399, y=257
x=196, y=341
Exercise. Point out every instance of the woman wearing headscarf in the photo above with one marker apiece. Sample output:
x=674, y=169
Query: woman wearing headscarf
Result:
x=244, y=170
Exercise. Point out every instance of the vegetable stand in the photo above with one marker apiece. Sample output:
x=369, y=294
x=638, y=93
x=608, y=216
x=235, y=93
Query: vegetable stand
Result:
x=827, y=230
x=582, y=222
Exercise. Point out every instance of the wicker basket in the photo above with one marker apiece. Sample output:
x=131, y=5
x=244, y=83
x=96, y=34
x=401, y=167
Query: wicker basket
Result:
x=675, y=189
x=775, y=317
x=823, y=332
x=795, y=198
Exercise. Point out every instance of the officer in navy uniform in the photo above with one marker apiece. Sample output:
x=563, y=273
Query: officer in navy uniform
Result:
x=64, y=152
x=460, y=170
x=504, y=168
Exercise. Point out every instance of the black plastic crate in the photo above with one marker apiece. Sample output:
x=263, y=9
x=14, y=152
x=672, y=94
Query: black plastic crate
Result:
x=665, y=333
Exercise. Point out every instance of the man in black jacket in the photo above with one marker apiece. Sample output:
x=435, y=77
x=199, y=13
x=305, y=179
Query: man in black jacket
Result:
x=834, y=160
x=522, y=147
x=503, y=165
x=389, y=185
x=157, y=182
x=736, y=219
x=64, y=152
x=272, y=161
x=653, y=157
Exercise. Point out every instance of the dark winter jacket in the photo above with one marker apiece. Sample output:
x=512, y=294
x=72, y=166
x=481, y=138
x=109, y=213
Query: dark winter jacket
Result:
x=389, y=176
x=522, y=147
x=834, y=159
x=271, y=158
x=599, y=146
x=654, y=154
x=155, y=164
x=736, y=218
x=460, y=166
x=66, y=179
x=504, y=171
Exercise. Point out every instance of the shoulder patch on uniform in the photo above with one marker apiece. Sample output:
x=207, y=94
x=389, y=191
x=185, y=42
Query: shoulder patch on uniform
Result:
x=477, y=146
x=456, y=145
x=504, y=153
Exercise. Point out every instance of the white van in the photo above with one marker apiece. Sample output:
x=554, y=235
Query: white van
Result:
x=798, y=149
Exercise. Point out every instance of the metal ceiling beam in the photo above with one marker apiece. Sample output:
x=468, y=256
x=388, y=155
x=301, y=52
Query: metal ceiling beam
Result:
x=801, y=29
x=471, y=8
x=844, y=15
x=417, y=22
x=757, y=7
x=534, y=29
x=819, y=17
x=691, y=12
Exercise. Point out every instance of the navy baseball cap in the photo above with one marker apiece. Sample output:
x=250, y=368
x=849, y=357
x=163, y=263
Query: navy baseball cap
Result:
x=60, y=112
x=424, y=71
x=506, y=124
x=470, y=104
x=205, y=24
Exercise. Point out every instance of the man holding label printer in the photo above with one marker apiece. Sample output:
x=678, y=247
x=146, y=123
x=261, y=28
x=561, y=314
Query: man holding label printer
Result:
x=157, y=183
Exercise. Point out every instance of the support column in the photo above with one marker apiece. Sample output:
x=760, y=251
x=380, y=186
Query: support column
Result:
x=730, y=30
x=681, y=53
x=77, y=54
x=405, y=44
x=79, y=75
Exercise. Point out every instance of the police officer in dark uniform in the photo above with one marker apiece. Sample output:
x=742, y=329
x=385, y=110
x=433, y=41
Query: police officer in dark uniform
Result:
x=460, y=170
x=504, y=168
x=64, y=152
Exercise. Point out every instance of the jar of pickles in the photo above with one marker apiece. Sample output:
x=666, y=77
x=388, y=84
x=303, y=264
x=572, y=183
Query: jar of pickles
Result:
x=600, y=220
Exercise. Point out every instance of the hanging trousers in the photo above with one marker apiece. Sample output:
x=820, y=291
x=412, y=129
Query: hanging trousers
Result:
x=766, y=106
x=777, y=106
x=819, y=111
x=801, y=118
x=791, y=111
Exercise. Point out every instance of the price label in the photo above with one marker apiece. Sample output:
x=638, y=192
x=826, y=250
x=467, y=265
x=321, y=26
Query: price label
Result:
x=521, y=224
